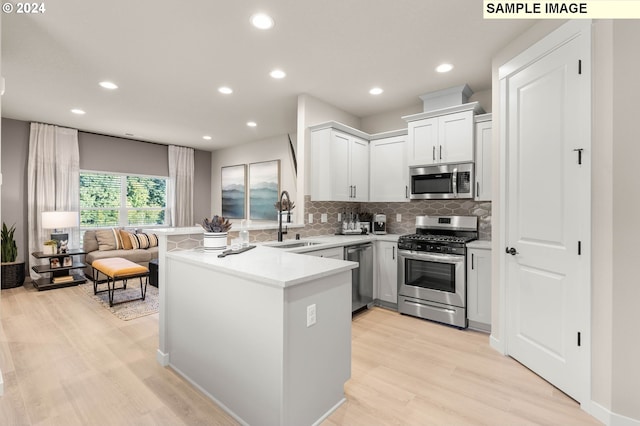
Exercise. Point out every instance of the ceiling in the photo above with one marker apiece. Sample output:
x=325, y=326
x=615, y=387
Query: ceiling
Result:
x=169, y=58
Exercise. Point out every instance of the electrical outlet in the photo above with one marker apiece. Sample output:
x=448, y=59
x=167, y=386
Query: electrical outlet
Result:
x=311, y=315
x=398, y=217
x=323, y=218
x=310, y=217
x=339, y=217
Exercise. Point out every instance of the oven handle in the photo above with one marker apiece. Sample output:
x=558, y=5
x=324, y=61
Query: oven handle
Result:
x=440, y=258
x=455, y=182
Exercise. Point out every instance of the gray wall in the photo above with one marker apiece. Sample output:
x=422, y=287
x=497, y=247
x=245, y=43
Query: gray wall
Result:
x=97, y=152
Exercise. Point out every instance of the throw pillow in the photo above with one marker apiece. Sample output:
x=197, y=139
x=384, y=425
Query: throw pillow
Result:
x=143, y=241
x=126, y=240
x=108, y=239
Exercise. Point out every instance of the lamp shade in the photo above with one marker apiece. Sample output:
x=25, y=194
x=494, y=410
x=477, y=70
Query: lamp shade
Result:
x=60, y=220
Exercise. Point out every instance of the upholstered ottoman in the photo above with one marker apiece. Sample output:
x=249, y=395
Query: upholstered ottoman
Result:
x=119, y=269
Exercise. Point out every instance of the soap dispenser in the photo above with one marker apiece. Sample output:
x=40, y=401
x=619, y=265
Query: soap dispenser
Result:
x=244, y=234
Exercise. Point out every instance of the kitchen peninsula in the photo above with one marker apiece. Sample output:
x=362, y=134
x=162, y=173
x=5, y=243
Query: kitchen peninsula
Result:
x=265, y=333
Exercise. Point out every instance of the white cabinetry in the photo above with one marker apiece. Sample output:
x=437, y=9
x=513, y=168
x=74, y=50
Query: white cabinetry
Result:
x=389, y=171
x=339, y=163
x=387, y=273
x=479, y=286
x=331, y=253
x=483, y=157
x=442, y=136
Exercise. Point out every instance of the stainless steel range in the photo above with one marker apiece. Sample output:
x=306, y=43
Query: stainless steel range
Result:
x=432, y=280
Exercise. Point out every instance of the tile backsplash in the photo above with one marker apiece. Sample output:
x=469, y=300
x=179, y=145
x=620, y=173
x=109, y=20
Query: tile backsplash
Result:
x=408, y=212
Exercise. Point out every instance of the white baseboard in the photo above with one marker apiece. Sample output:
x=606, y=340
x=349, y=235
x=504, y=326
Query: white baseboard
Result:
x=497, y=345
x=162, y=358
x=608, y=417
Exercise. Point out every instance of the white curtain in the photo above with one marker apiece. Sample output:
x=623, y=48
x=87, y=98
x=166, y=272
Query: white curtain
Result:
x=53, y=180
x=180, y=190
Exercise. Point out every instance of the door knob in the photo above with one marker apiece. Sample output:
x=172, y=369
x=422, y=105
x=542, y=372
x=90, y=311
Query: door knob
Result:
x=512, y=251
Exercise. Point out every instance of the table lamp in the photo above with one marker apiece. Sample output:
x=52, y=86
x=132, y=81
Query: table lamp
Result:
x=58, y=221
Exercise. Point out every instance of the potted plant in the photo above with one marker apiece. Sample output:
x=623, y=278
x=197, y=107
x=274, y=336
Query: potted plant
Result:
x=285, y=209
x=12, y=271
x=215, y=233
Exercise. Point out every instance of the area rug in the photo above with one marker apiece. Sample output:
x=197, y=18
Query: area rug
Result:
x=131, y=309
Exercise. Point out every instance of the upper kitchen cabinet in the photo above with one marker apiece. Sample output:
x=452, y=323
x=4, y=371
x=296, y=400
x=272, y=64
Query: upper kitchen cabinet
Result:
x=389, y=171
x=441, y=136
x=339, y=163
x=483, y=157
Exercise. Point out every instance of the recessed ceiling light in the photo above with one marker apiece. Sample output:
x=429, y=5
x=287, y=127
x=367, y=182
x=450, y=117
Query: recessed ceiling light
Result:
x=108, y=85
x=78, y=111
x=251, y=123
x=226, y=90
x=206, y=137
x=376, y=91
x=278, y=74
x=444, y=68
x=262, y=21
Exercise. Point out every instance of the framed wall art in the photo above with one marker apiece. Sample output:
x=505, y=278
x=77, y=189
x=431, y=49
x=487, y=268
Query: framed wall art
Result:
x=264, y=189
x=234, y=184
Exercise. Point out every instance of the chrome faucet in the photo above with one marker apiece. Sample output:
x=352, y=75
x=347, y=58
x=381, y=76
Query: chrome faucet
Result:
x=280, y=231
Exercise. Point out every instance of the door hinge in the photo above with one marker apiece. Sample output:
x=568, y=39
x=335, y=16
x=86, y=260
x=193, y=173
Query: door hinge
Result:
x=579, y=248
x=579, y=66
x=579, y=339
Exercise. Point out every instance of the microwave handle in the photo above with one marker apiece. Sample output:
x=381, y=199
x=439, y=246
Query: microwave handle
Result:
x=454, y=182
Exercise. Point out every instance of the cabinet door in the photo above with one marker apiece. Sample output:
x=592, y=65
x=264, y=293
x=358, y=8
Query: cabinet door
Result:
x=389, y=170
x=422, y=141
x=359, y=169
x=331, y=253
x=479, y=288
x=387, y=270
x=483, y=161
x=339, y=168
x=455, y=138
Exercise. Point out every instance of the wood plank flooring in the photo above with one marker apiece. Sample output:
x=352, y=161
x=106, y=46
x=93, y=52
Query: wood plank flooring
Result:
x=66, y=360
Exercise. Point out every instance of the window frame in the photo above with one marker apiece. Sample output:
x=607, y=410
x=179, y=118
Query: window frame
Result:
x=123, y=210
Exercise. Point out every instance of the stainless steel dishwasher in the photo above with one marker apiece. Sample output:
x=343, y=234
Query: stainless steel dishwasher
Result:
x=362, y=276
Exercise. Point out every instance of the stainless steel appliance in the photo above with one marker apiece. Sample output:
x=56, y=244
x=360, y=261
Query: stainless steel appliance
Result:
x=442, y=181
x=379, y=224
x=432, y=282
x=362, y=276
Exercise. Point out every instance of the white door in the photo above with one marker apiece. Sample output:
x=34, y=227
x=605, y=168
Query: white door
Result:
x=547, y=214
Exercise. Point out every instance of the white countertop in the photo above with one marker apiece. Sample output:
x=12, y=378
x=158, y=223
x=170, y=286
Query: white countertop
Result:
x=480, y=244
x=268, y=265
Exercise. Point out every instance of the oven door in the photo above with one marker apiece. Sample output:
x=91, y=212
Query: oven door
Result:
x=433, y=277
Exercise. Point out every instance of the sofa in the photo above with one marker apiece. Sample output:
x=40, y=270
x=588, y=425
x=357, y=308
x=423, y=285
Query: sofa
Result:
x=116, y=242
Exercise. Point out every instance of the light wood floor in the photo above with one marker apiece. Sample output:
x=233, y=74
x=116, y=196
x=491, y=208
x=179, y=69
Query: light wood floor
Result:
x=65, y=360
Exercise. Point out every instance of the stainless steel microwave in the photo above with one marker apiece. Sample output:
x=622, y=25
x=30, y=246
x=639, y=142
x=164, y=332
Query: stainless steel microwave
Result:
x=442, y=181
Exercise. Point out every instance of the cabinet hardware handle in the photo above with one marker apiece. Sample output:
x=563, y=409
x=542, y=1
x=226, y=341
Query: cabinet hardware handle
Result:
x=393, y=252
x=434, y=153
x=441, y=152
x=355, y=191
x=477, y=189
x=406, y=191
x=350, y=191
x=472, y=261
x=579, y=151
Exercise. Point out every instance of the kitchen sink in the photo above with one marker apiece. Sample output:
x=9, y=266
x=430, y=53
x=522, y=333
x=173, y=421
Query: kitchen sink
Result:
x=292, y=244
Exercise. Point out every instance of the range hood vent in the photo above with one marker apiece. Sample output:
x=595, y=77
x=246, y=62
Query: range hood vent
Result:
x=444, y=98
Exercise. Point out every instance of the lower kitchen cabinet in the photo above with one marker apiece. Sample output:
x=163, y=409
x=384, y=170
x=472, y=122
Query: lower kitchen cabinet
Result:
x=479, y=288
x=387, y=274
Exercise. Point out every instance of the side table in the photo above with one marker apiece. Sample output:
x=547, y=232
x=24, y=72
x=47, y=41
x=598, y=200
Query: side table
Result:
x=60, y=268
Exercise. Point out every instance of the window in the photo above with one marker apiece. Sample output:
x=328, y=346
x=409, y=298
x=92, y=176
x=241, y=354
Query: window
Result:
x=109, y=199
